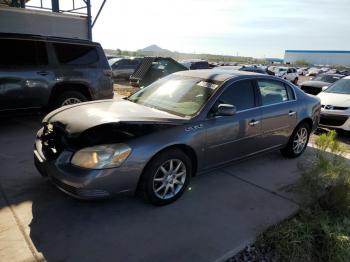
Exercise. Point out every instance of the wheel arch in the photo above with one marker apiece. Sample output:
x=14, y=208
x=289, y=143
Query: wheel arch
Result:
x=188, y=150
x=60, y=88
x=308, y=121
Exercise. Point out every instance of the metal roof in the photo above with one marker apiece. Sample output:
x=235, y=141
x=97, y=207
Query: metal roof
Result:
x=319, y=51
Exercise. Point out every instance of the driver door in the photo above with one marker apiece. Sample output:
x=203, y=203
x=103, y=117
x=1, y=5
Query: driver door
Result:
x=233, y=137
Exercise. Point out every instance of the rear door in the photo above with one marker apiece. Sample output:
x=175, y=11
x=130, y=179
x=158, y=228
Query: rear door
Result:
x=279, y=112
x=233, y=137
x=24, y=78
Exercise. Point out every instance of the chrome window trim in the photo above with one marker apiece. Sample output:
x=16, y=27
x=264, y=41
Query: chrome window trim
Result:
x=259, y=107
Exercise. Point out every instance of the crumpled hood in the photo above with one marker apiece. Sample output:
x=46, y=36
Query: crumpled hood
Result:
x=334, y=99
x=80, y=117
x=319, y=84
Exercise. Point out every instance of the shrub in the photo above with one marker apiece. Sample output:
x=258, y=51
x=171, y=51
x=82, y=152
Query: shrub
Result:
x=326, y=179
x=321, y=229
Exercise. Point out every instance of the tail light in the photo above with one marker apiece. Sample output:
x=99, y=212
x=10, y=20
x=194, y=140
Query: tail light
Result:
x=107, y=72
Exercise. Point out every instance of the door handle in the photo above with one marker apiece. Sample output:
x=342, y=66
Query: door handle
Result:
x=43, y=73
x=254, y=122
x=292, y=113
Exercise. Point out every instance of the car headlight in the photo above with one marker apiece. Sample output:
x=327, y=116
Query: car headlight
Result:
x=101, y=156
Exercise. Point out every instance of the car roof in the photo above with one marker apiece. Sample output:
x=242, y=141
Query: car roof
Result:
x=337, y=75
x=347, y=77
x=217, y=74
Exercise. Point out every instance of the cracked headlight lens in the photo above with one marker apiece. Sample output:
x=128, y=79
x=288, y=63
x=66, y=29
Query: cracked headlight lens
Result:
x=101, y=156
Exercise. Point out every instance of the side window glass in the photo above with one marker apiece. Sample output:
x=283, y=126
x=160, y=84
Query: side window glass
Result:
x=115, y=65
x=239, y=94
x=22, y=53
x=290, y=92
x=72, y=54
x=272, y=92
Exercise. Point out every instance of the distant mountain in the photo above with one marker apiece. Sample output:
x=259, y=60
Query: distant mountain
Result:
x=155, y=49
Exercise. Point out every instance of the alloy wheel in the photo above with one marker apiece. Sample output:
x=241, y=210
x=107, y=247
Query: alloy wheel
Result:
x=169, y=179
x=300, y=140
x=71, y=101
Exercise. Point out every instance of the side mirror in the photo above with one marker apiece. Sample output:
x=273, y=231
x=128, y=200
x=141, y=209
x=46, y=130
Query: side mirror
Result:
x=225, y=110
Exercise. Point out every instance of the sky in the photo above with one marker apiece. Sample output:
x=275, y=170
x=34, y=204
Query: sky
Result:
x=257, y=28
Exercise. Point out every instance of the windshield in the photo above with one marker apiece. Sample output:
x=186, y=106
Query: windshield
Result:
x=282, y=69
x=179, y=95
x=341, y=87
x=113, y=60
x=326, y=78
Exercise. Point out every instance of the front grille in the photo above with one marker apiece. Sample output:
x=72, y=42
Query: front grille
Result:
x=52, y=140
x=329, y=120
x=311, y=89
x=329, y=107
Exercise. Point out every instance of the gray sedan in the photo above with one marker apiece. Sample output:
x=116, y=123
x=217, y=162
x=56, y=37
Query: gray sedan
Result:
x=187, y=123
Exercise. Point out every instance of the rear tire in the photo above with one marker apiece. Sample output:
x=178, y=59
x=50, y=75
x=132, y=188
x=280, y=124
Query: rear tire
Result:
x=166, y=177
x=298, y=141
x=69, y=98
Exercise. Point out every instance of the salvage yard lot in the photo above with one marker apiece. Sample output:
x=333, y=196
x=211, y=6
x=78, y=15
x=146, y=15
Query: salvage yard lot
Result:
x=224, y=210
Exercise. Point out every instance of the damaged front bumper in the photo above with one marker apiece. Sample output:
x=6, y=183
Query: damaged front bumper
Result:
x=80, y=182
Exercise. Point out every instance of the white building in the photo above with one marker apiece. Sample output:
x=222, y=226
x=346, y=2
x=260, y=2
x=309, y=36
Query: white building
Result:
x=318, y=57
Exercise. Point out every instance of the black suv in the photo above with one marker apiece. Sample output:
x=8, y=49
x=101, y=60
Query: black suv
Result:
x=47, y=72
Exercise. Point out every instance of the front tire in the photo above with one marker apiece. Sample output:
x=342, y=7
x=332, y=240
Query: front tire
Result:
x=166, y=177
x=297, y=142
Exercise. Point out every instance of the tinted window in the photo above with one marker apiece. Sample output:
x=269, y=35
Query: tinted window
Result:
x=128, y=64
x=240, y=94
x=200, y=65
x=17, y=53
x=272, y=92
x=73, y=54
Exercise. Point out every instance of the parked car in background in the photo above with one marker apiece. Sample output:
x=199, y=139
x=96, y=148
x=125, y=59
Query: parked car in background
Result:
x=154, y=68
x=123, y=68
x=302, y=71
x=345, y=72
x=46, y=72
x=113, y=56
x=313, y=71
x=335, y=100
x=288, y=73
x=254, y=69
x=194, y=64
x=320, y=82
x=237, y=67
x=154, y=141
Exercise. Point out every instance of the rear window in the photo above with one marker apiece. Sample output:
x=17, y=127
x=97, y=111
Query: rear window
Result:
x=21, y=53
x=73, y=54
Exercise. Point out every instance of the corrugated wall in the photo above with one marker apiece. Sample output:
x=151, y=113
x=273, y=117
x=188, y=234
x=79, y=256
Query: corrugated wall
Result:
x=25, y=21
x=321, y=58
